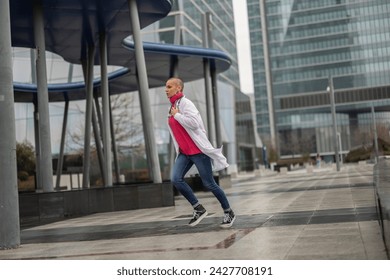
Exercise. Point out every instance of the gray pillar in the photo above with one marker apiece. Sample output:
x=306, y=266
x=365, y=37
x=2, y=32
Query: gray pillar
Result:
x=98, y=139
x=375, y=133
x=38, y=184
x=218, y=136
x=147, y=120
x=268, y=75
x=98, y=112
x=9, y=202
x=214, y=81
x=114, y=148
x=209, y=103
x=206, y=22
x=334, y=122
x=173, y=72
x=70, y=73
x=32, y=63
x=177, y=34
x=88, y=76
x=64, y=127
x=106, y=110
x=61, y=156
x=46, y=165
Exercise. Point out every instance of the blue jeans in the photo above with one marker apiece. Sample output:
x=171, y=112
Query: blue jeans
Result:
x=202, y=162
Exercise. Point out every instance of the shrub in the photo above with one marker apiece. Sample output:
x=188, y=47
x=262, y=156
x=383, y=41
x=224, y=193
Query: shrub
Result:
x=25, y=158
x=23, y=175
x=365, y=153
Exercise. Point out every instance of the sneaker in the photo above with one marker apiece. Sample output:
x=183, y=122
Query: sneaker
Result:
x=199, y=214
x=228, y=219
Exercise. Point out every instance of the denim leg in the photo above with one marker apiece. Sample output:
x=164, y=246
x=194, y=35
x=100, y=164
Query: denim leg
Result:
x=180, y=168
x=203, y=164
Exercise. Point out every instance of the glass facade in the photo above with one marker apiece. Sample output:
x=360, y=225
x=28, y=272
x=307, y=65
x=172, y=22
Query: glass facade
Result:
x=309, y=42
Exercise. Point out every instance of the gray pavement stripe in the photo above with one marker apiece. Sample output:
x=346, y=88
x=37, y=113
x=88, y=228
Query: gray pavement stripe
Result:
x=132, y=230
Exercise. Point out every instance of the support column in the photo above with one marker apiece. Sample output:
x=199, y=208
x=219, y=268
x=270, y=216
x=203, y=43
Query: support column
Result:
x=174, y=72
x=209, y=103
x=88, y=76
x=114, y=148
x=375, y=133
x=334, y=122
x=61, y=156
x=38, y=184
x=147, y=119
x=45, y=161
x=98, y=139
x=64, y=127
x=218, y=136
x=214, y=86
x=106, y=109
x=268, y=76
x=9, y=201
x=208, y=87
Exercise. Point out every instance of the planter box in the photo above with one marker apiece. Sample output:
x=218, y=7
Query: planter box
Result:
x=37, y=208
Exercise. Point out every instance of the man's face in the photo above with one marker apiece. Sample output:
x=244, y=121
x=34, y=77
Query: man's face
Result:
x=172, y=87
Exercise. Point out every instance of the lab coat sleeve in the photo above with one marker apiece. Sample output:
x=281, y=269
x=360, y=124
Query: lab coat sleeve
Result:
x=188, y=116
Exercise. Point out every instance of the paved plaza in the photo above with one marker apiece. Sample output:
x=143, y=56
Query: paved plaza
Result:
x=299, y=215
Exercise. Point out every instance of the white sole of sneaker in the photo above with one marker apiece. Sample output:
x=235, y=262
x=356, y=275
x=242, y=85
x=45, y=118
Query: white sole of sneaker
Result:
x=198, y=220
x=228, y=225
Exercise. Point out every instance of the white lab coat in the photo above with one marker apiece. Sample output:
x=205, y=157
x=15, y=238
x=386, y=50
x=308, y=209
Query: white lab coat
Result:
x=189, y=117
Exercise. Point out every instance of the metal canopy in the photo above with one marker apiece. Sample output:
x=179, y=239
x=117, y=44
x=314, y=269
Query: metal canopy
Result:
x=71, y=25
x=158, y=58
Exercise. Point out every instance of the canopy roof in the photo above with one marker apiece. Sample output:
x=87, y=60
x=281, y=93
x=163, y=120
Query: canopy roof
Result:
x=72, y=25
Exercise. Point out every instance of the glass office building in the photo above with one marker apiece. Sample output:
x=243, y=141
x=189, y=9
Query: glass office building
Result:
x=298, y=47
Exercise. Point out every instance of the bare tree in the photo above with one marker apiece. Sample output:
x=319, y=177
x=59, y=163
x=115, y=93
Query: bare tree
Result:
x=127, y=124
x=128, y=132
x=128, y=129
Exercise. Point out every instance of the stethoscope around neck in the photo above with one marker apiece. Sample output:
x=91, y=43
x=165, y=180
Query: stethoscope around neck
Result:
x=176, y=104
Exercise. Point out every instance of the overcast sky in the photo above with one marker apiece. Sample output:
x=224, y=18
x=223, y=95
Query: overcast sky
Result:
x=243, y=46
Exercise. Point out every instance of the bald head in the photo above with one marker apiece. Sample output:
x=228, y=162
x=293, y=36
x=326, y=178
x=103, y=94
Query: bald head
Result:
x=178, y=82
x=173, y=86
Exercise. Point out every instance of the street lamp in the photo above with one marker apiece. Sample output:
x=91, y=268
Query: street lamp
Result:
x=340, y=147
x=330, y=90
x=375, y=133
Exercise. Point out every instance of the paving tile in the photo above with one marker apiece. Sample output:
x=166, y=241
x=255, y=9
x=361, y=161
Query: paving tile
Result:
x=326, y=215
